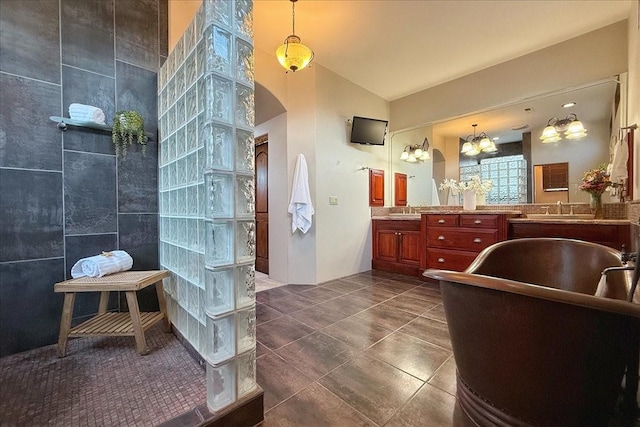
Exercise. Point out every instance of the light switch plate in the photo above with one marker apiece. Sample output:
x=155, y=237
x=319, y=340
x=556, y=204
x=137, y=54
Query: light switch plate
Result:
x=333, y=200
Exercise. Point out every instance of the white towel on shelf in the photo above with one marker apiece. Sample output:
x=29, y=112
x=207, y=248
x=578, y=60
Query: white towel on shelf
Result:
x=300, y=206
x=86, y=113
x=103, y=264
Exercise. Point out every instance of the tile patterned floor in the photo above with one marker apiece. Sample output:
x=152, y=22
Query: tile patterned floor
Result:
x=371, y=349
x=101, y=382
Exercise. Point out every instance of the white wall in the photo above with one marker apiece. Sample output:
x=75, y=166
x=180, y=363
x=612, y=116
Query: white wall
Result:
x=343, y=231
x=587, y=58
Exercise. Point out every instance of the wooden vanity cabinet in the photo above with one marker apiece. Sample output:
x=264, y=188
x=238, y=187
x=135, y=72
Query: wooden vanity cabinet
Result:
x=396, y=246
x=452, y=241
x=612, y=235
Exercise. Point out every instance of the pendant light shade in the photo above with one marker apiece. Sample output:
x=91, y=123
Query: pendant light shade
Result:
x=292, y=54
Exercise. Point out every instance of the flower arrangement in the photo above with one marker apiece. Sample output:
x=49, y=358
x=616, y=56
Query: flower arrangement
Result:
x=127, y=126
x=476, y=183
x=596, y=181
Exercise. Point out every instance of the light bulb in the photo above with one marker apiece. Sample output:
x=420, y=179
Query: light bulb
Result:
x=417, y=152
x=404, y=155
x=466, y=147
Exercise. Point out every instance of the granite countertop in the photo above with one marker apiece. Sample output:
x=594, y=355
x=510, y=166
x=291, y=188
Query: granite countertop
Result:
x=413, y=217
x=570, y=221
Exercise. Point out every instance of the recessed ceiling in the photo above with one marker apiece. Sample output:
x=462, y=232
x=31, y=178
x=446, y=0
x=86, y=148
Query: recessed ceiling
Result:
x=394, y=48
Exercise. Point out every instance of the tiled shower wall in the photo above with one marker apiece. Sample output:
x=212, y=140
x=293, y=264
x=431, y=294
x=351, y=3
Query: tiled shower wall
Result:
x=64, y=195
x=207, y=210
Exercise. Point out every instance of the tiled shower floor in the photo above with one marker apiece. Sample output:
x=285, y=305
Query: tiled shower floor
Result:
x=101, y=382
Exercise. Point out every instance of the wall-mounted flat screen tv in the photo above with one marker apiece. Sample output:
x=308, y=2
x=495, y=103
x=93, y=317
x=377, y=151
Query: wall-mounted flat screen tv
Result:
x=368, y=131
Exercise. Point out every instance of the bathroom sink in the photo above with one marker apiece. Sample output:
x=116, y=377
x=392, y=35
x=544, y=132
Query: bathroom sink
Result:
x=565, y=216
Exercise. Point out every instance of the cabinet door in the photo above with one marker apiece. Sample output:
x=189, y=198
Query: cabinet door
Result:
x=409, y=247
x=376, y=187
x=400, y=189
x=386, y=248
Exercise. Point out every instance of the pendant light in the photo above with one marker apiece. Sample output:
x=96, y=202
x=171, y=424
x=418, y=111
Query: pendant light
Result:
x=474, y=145
x=292, y=54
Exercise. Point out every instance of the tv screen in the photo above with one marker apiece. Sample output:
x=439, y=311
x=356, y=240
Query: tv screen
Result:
x=368, y=131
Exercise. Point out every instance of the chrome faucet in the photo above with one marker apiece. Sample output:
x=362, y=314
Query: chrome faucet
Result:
x=559, y=207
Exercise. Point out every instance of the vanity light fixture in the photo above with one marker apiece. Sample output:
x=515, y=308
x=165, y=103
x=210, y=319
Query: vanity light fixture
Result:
x=475, y=145
x=416, y=153
x=292, y=54
x=570, y=125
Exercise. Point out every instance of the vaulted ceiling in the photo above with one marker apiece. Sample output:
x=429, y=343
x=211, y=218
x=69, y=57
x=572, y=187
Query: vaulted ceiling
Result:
x=397, y=47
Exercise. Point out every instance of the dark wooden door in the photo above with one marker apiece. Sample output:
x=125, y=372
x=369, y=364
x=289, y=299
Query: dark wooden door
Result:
x=400, y=189
x=262, y=204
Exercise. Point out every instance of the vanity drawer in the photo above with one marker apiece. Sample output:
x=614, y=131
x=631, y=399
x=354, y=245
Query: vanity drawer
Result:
x=443, y=220
x=479, y=221
x=461, y=238
x=449, y=260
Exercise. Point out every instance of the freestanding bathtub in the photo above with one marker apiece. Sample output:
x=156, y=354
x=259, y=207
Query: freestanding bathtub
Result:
x=532, y=344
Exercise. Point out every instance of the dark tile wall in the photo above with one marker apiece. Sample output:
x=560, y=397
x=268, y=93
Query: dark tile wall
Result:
x=64, y=195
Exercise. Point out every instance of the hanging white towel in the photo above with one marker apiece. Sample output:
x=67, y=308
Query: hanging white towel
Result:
x=300, y=206
x=101, y=265
x=620, y=158
x=435, y=199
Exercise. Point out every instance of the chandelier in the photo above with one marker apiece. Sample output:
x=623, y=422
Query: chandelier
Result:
x=570, y=125
x=416, y=153
x=293, y=55
x=475, y=145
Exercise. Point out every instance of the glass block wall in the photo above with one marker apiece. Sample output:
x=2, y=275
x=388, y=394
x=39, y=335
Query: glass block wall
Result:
x=207, y=209
x=509, y=176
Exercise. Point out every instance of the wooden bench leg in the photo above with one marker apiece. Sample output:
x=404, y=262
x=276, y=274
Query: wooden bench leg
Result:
x=104, y=302
x=134, y=312
x=162, y=303
x=65, y=322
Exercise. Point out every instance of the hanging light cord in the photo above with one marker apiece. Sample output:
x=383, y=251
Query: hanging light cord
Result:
x=293, y=14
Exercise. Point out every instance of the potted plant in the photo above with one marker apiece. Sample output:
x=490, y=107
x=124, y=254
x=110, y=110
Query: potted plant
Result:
x=128, y=126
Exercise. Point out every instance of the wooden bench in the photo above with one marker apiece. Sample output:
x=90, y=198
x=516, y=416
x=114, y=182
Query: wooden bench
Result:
x=106, y=323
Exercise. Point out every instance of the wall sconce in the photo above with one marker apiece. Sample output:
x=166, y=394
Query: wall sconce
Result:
x=570, y=125
x=474, y=145
x=416, y=153
x=293, y=55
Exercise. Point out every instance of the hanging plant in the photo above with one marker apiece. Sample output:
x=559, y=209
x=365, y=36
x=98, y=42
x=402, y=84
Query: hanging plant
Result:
x=128, y=126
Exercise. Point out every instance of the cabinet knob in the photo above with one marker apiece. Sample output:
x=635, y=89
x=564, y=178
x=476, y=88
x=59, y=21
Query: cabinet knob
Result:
x=440, y=237
x=477, y=240
x=441, y=221
x=440, y=259
x=477, y=221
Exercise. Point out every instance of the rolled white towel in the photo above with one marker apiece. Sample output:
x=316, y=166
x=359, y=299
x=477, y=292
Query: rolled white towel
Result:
x=89, y=113
x=100, y=265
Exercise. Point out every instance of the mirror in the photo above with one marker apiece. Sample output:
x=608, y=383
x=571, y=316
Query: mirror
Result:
x=517, y=126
